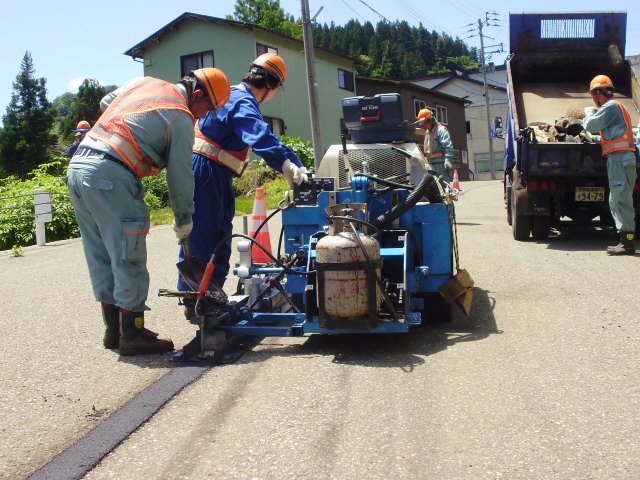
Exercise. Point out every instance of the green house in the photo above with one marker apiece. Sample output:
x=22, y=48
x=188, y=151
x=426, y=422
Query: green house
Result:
x=195, y=41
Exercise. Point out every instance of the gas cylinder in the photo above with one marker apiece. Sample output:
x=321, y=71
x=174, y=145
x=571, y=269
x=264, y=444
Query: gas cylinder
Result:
x=348, y=294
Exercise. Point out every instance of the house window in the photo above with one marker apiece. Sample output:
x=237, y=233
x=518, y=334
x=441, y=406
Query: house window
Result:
x=468, y=124
x=483, y=164
x=276, y=125
x=261, y=48
x=345, y=80
x=195, y=61
x=419, y=105
x=441, y=114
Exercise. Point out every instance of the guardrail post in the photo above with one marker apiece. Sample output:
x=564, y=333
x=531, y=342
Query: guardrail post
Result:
x=42, y=204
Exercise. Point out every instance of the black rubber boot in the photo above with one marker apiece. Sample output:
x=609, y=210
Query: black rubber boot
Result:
x=111, y=318
x=625, y=247
x=137, y=340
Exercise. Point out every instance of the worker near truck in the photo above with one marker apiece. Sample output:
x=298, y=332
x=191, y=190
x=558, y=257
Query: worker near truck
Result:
x=81, y=130
x=613, y=123
x=223, y=145
x=146, y=126
x=437, y=144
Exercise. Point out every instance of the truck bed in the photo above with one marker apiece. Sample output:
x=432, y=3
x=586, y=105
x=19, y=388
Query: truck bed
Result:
x=545, y=102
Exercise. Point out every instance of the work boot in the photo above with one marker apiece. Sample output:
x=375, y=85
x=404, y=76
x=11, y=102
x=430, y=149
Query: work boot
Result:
x=626, y=245
x=190, y=309
x=111, y=318
x=137, y=340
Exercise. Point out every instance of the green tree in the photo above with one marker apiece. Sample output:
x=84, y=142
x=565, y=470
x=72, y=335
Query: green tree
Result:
x=62, y=105
x=86, y=105
x=268, y=14
x=26, y=138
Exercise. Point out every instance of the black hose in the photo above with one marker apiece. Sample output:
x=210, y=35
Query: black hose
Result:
x=428, y=182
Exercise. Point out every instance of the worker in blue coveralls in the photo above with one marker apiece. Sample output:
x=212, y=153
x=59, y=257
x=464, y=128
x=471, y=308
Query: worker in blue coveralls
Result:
x=223, y=145
x=81, y=130
x=437, y=144
x=146, y=126
x=613, y=122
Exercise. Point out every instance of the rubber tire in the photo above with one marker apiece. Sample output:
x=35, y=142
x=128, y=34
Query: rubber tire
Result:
x=541, y=225
x=508, y=202
x=436, y=309
x=520, y=224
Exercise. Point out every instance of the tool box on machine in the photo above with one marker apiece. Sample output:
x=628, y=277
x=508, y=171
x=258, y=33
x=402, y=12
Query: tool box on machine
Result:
x=376, y=119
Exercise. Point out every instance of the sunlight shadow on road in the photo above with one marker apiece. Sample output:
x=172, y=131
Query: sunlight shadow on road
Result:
x=402, y=351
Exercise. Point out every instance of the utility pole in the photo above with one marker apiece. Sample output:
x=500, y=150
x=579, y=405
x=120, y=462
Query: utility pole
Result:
x=492, y=161
x=314, y=103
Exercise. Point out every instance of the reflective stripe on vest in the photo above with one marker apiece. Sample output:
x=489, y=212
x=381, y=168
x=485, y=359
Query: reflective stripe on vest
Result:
x=145, y=95
x=432, y=141
x=625, y=142
x=233, y=160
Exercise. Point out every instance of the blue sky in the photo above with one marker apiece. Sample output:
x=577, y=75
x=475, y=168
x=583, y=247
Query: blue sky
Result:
x=71, y=41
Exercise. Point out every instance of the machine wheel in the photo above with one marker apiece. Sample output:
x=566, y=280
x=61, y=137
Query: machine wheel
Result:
x=541, y=226
x=520, y=224
x=435, y=310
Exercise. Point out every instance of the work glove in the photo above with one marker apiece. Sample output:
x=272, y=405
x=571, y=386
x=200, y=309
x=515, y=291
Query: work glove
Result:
x=182, y=231
x=448, y=164
x=586, y=136
x=589, y=111
x=295, y=175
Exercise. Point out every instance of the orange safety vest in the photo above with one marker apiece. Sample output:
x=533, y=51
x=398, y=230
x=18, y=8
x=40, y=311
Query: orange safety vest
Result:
x=432, y=141
x=625, y=142
x=233, y=160
x=145, y=95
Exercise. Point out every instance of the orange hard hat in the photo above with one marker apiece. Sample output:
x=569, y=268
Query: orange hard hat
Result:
x=216, y=84
x=600, y=81
x=83, y=126
x=273, y=64
x=424, y=115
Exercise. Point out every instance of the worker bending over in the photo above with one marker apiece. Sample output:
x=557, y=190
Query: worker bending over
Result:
x=147, y=125
x=223, y=145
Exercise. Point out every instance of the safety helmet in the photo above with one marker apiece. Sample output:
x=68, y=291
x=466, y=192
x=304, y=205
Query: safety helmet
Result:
x=600, y=81
x=424, y=115
x=216, y=84
x=271, y=64
x=83, y=126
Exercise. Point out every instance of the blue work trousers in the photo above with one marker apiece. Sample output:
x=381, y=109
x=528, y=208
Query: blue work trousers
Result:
x=114, y=221
x=442, y=170
x=621, y=169
x=215, y=206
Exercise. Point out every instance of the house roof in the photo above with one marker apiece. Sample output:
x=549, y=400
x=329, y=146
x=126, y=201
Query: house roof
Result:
x=464, y=75
x=414, y=86
x=138, y=50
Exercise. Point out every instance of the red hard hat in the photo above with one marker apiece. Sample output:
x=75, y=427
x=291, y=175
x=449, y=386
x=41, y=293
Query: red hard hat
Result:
x=216, y=84
x=83, y=126
x=273, y=64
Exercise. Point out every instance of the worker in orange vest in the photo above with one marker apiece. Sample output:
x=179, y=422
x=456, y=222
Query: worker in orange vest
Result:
x=613, y=122
x=146, y=126
x=437, y=144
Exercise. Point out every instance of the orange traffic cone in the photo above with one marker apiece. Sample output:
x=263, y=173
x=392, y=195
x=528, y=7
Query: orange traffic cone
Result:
x=456, y=181
x=260, y=215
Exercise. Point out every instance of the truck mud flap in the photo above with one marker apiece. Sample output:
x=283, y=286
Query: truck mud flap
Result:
x=531, y=203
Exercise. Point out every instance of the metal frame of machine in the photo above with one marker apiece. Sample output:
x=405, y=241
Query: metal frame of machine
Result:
x=368, y=247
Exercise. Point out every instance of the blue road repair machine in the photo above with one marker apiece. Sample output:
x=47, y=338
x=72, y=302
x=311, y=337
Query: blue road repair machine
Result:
x=367, y=246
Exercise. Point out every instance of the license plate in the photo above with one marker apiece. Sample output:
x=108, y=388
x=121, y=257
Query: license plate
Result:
x=589, y=194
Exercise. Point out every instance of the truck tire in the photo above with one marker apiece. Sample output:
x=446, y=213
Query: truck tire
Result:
x=508, y=203
x=541, y=226
x=520, y=224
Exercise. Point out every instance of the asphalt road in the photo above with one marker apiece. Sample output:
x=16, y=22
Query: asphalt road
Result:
x=540, y=382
